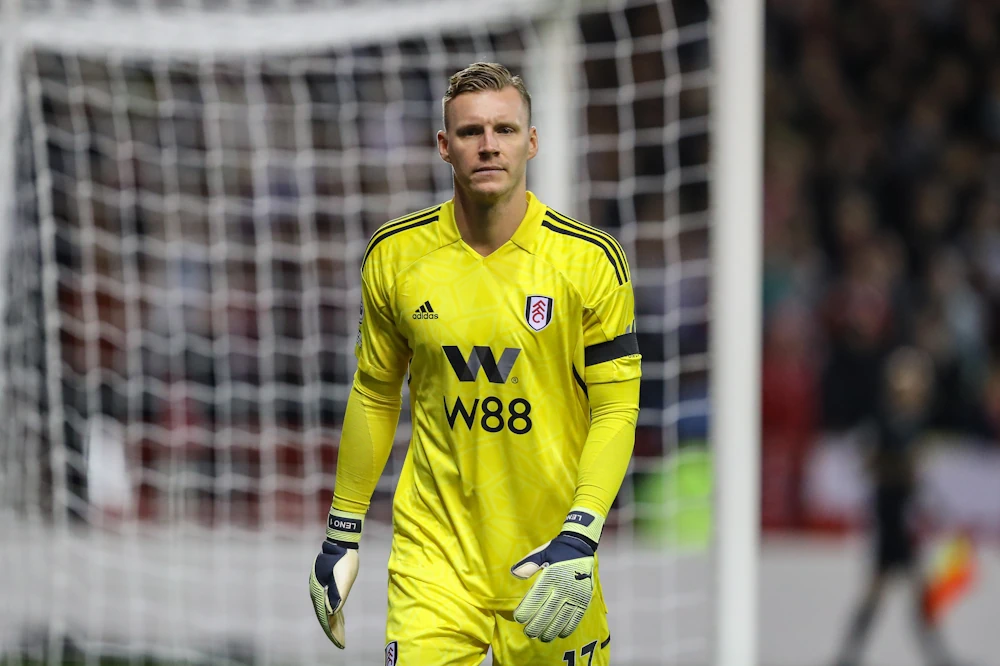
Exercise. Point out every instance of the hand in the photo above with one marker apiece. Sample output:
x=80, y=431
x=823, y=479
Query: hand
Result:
x=557, y=601
x=334, y=571
x=330, y=582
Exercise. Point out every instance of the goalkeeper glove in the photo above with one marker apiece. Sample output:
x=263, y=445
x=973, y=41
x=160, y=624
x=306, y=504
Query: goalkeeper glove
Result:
x=334, y=571
x=557, y=601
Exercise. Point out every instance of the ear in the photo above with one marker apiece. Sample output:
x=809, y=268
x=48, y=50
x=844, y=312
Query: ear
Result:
x=532, y=142
x=442, y=139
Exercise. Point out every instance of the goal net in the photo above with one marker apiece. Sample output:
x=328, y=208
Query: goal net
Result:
x=187, y=191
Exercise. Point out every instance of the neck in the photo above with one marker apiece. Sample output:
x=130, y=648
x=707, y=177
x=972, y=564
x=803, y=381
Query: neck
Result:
x=487, y=226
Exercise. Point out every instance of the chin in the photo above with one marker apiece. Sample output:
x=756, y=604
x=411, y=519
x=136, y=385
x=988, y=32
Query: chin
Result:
x=488, y=191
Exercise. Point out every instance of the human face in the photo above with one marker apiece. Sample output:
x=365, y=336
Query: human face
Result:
x=488, y=143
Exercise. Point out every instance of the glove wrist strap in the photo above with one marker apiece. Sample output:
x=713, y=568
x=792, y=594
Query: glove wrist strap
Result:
x=344, y=527
x=584, y=523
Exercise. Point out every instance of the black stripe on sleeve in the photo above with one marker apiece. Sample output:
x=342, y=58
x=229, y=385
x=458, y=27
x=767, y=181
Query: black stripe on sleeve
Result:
x=376, y=241
x=594, y=231
x=625, y=344
x=580, y=382
x=409, y=218
x=605, y=642
x=392, y=224
x=567, y=232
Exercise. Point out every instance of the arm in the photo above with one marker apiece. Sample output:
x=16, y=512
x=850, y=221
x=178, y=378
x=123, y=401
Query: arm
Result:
x=612, y=371
x=365, y=444
x=373, y=406
x=365, y=441
x=568, y=560
x=608, y=449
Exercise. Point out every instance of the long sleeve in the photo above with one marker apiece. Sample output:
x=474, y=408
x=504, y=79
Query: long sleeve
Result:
x=608, y=449
x=366, y=441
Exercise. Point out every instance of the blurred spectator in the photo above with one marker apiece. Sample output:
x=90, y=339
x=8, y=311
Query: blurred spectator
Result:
x=790, y=384
x=906, y=386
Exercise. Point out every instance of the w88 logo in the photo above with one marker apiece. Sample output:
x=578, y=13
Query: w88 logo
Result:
x=490, y=414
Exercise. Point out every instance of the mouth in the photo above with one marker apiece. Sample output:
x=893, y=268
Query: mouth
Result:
x=488, y=169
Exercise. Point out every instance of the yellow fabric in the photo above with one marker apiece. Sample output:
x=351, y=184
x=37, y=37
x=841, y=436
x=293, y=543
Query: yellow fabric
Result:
x=433, y=625
x=499, y=408
x=365, y=441
x=614, y=411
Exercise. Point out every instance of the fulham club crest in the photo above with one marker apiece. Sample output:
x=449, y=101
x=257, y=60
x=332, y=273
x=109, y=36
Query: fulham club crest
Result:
x=538, y=311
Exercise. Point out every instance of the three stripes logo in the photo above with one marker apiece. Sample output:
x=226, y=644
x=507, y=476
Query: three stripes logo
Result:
x=425, y=311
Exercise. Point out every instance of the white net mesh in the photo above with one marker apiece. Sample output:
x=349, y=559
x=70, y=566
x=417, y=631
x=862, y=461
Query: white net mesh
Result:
x=193, y=194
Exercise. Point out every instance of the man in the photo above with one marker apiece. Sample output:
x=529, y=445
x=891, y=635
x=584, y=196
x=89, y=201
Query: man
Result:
x=516, y=324
x=899, y=425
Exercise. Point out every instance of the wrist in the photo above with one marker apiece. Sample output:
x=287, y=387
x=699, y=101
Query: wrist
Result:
x=344, y=528
x=584, y=524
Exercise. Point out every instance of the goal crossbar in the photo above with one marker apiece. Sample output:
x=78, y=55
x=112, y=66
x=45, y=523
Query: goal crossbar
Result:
x=182, y=34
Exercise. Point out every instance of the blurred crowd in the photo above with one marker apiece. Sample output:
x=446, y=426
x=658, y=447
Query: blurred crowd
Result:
x=882, y=213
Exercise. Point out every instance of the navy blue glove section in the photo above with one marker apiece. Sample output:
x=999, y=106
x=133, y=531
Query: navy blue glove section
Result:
x=332, y=552
x=564, y=547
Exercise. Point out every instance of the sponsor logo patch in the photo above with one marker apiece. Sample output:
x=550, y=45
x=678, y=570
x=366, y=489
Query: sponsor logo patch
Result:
x=391, y=653
x=481, y=357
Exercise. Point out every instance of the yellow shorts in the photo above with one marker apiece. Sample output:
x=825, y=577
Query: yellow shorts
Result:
x=430, y=626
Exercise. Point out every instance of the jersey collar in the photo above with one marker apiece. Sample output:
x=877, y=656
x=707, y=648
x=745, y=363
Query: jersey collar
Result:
x=526, y=232
x=523, y=237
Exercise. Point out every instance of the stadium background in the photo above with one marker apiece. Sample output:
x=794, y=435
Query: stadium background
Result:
x=881, y=227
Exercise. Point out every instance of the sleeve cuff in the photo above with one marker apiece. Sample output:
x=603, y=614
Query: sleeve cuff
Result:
x=585, y=523
x=344, y=527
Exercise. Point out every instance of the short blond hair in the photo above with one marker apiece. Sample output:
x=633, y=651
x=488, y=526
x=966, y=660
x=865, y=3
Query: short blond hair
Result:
x=480, y=76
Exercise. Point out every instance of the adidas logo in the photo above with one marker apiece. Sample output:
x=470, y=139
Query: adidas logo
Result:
x=425, y=311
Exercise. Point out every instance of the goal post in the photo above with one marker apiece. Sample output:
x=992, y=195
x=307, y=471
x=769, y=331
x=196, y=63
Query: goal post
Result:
x=190, y=186
x=736, y=329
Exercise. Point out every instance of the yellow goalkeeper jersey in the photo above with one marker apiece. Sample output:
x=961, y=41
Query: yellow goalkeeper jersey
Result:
x=500, y=352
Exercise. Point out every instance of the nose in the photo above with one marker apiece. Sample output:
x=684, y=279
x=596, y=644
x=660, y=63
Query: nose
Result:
x=488, y=144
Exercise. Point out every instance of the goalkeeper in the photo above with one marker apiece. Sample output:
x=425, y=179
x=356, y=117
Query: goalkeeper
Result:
x=516, y=325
